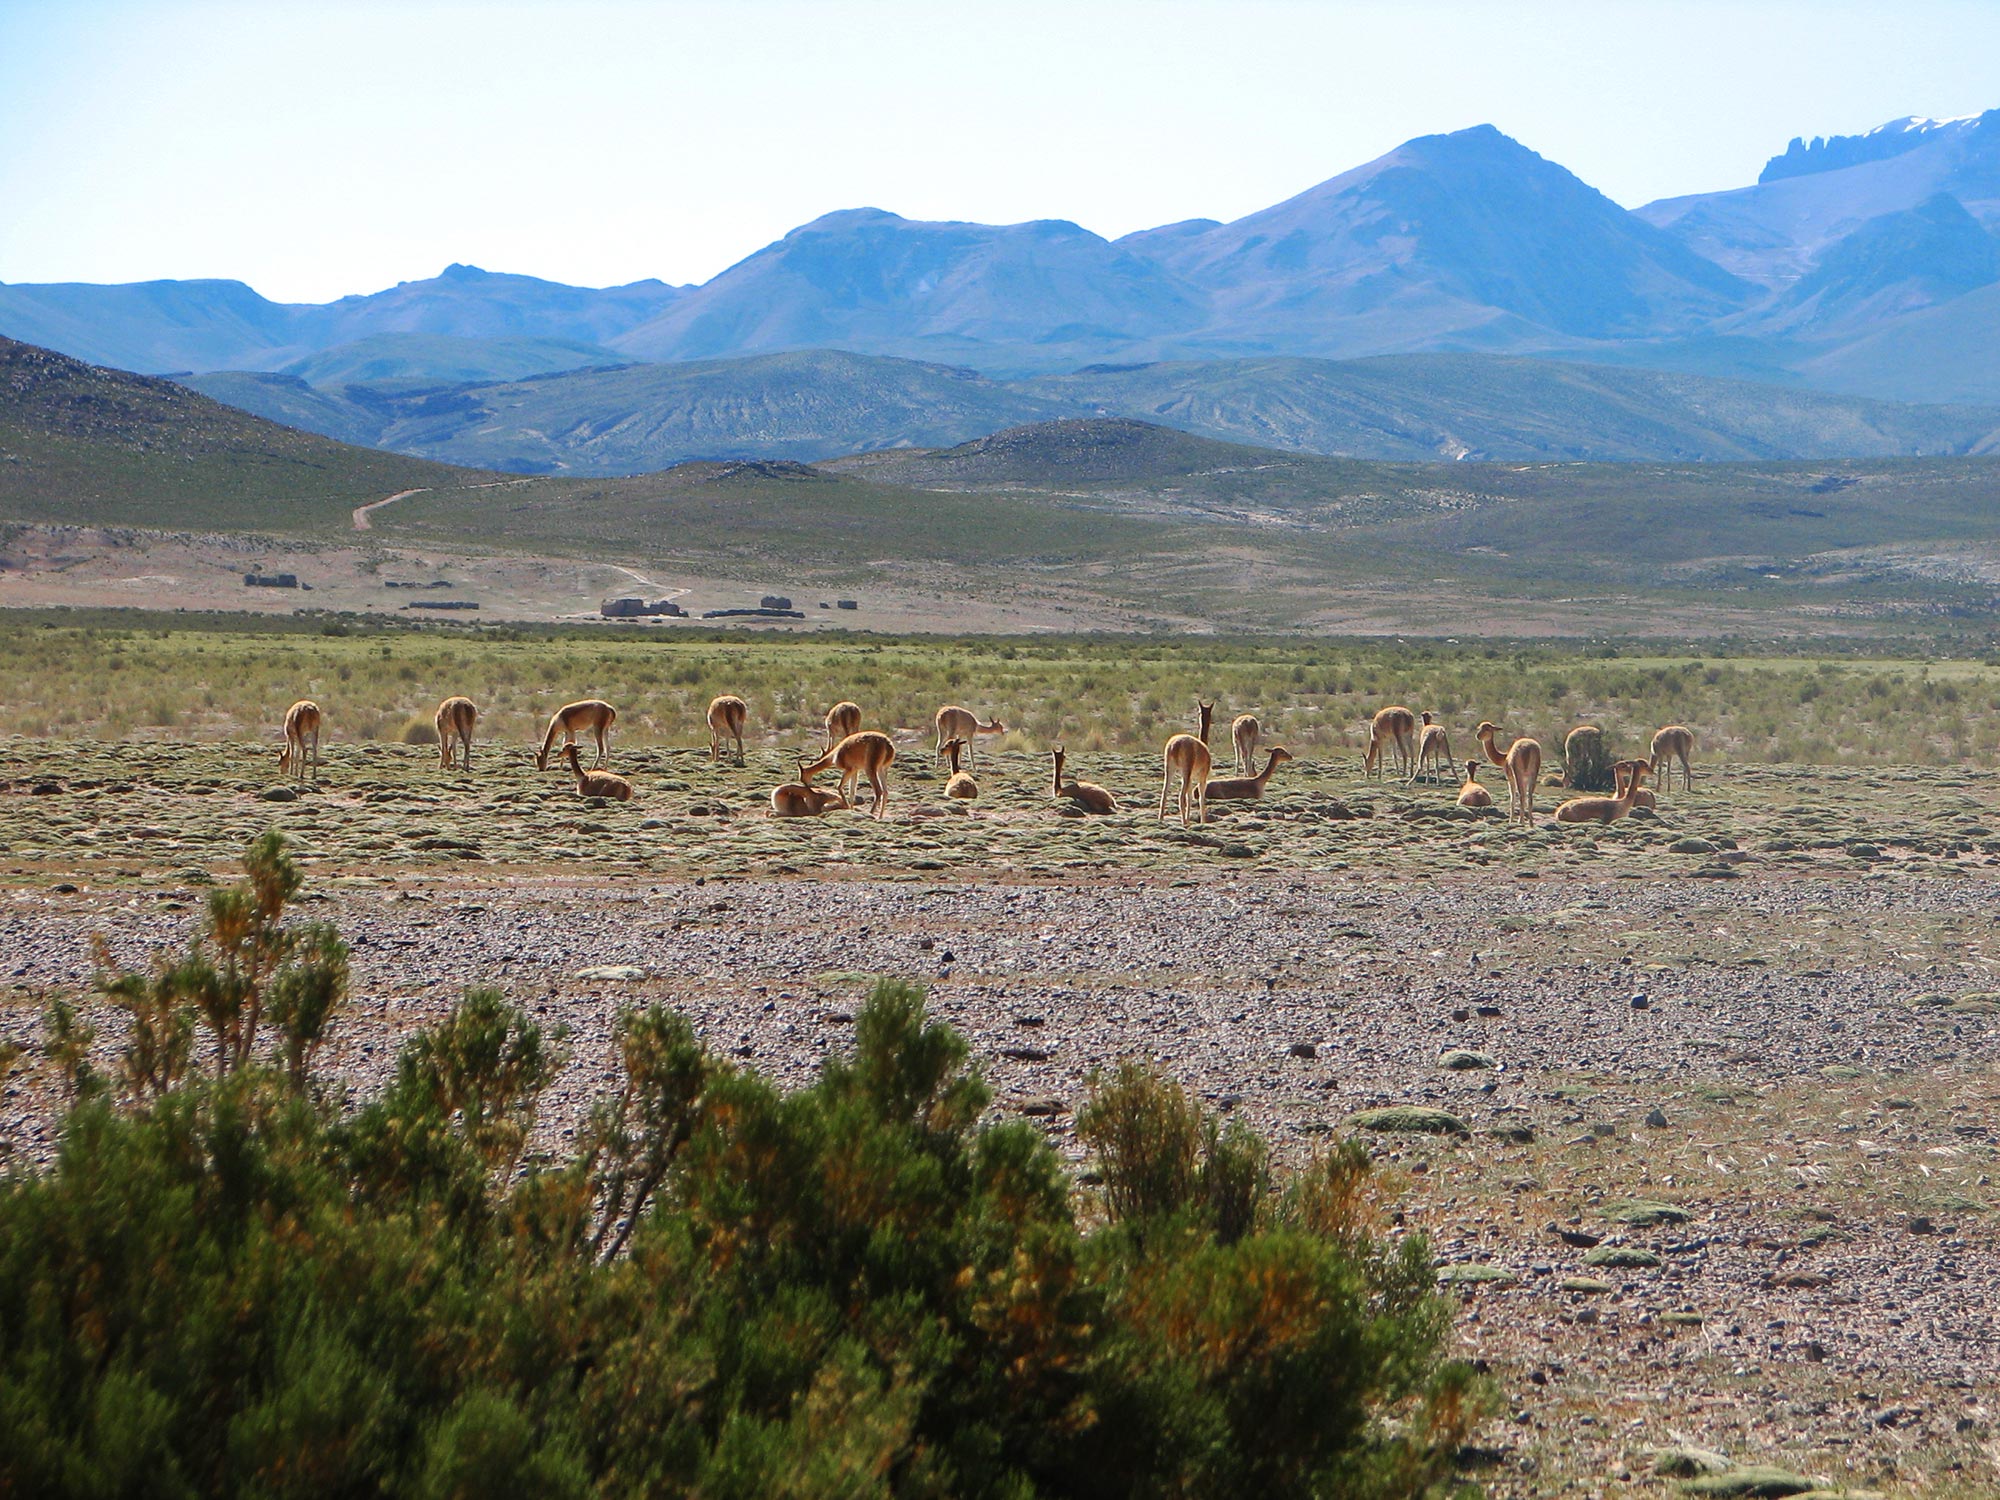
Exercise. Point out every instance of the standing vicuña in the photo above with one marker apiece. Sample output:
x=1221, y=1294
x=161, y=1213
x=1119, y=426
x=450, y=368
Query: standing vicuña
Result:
x=586, y=716
x=1674, y=743
x=1395, y=728
x=1087, y=795
x=455, y=718
x=596, y=783
x=1188, y=757
x=1244, y=732
x=726, y=715
x=955, y=723
x=869, y=754
x=1204, y=716
x=301, y=732
x=1433, y=750
x=1523, y=765
x=842, y=719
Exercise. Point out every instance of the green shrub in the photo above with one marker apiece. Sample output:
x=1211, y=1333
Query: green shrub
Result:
x=232, y=1281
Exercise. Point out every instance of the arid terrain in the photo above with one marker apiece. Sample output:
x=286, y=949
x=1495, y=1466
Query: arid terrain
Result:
x=1749, y=1044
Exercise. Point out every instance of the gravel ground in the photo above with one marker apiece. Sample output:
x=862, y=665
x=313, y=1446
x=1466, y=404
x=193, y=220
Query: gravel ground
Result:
x=1788, y=1060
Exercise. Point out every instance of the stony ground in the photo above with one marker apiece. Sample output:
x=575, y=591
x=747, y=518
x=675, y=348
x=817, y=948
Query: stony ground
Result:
x=1769, y=1065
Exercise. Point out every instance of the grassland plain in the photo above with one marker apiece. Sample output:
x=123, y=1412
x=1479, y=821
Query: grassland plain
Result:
x=1798, y=1264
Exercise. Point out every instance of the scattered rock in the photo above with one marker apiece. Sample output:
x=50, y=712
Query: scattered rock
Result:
x=611, y=973
x=1303, y=1049
x=1690, y=846
x=1656, y=1118
x=279, y=794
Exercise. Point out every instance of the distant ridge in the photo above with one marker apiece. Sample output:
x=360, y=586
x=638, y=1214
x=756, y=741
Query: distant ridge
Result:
x=816, y=405
x=1467, y=242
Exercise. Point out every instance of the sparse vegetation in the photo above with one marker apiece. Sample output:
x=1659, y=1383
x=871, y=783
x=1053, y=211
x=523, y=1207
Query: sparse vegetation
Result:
x=233, y=1279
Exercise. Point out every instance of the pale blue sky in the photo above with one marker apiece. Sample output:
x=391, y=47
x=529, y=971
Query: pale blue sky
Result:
x=318, y=149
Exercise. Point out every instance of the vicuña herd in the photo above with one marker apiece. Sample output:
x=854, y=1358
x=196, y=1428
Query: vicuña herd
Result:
x=1400, y=743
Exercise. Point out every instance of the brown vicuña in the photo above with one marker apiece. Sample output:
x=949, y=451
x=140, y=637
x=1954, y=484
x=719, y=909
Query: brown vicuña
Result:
x=795, y=799
x=1472, y=794
x=1244, y=732
x=1523, y=765
x=726, y=716
x=455, y=720
x=1188, y=758
x=1396, y=728
x=1204, y=717
x=1604, y=809
x=960, y=783
x=955, y=723
x=868, y=753
x=596, y=783
x=843, y=719
x=1233, y=788
x=1674, y=743
x=1087, y=795
x=1643, y=796
x=301, y=739
x=586, y=716
x=1433, y=750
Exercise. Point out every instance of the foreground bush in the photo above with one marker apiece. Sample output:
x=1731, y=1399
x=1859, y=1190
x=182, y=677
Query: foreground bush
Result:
x=234, y=1281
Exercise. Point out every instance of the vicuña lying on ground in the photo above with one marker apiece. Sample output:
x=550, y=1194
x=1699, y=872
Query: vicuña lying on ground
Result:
x=961, y=783
x=1605, y=809
x=795, y=799
x=596, y=783
x=1230, y=788
x=1472, y=794
x=1087, y=795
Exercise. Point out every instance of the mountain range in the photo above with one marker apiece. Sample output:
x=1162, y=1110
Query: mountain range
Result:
x=1866, y=266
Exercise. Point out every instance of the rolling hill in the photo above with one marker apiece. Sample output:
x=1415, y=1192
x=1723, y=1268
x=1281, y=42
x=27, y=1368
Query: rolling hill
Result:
x=90, y=446
x=820, y=404
x=1123, y=519
x=635, y=418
